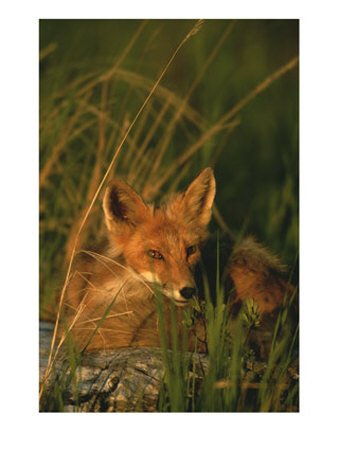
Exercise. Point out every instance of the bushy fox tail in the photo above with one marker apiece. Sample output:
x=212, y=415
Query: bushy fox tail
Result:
x=247, y=272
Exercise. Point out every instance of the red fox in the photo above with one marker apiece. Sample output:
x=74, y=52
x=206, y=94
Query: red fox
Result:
x=155, y=249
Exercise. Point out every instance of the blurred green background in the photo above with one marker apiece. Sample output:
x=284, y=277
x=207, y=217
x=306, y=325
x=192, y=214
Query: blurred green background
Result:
x=94, y=77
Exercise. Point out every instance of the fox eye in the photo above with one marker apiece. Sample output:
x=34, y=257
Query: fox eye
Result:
x=191, y=250
x=154, y=254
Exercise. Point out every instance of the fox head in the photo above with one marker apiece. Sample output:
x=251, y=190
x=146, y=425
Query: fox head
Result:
x=161, y=244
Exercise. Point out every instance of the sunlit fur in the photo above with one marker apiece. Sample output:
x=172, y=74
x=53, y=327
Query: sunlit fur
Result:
x=121, y=270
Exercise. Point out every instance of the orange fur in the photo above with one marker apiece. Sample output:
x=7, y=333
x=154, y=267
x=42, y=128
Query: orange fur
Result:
x=257, y=274
x=150, y=248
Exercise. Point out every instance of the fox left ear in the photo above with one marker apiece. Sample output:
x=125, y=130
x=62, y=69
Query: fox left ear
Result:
x=199, y=197
x=122, y=206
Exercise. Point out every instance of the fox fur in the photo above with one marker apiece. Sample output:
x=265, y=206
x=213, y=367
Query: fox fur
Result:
x=152, y=249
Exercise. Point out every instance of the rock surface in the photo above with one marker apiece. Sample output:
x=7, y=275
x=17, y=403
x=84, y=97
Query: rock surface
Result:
x=131, y=379
x=126, y=379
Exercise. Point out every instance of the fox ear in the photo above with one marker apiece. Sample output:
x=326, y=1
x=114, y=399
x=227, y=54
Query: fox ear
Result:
x=122, y=205
x=199, y=197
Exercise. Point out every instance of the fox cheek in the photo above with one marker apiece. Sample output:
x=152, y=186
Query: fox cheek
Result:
x=151, y=277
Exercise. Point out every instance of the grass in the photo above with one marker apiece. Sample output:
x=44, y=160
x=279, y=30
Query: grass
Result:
x=235, y=380
x=104, y=118
x=228, y=385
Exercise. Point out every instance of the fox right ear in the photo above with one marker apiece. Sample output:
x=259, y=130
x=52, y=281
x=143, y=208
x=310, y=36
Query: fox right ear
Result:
x=122, y=205
x=199, y=197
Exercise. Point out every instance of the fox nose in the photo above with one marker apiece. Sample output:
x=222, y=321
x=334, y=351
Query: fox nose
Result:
x=188, y=292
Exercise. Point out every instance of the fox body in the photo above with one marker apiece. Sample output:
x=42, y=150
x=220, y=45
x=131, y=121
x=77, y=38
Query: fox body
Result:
x=151, y=250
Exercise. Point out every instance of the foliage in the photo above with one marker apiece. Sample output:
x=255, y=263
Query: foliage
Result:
x=207, y=111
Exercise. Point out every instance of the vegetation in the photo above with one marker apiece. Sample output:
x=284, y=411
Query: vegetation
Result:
x=228, y=99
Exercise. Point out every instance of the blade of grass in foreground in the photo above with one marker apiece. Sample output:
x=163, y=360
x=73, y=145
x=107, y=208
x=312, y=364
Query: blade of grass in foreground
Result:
x=106, y=312
x=67, y=374
x=174, y=359
x=193, y=31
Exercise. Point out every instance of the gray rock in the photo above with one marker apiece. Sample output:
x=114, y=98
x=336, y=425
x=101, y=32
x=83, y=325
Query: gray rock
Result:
x=125, y=379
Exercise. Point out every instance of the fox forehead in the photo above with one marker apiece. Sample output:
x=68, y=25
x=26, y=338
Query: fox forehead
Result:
x=167, y=231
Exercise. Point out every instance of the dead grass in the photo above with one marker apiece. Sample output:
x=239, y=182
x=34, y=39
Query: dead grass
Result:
x=51, y=360
x=84, y=104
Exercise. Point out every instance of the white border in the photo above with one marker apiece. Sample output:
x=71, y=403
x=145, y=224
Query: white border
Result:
x=315, y=424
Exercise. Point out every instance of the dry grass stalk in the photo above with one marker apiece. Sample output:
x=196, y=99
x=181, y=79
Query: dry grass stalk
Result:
x=100, y=78
x=49, y=116
x=47, y=50
x=60, y=144
x=223, y=123
x=101, y=258
x=174, y=168
x=108, y=75
x=220, y=220
x=223, y=384
x=133, y=150
x=142, y=156
x=52, y=358
x=117, y=152
x=223, y=141
x=261, y=87
x=101, y=143
x=97, y=170
x=162, y=93
x=110, y=316
x=171, y=126
x=131, y=88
